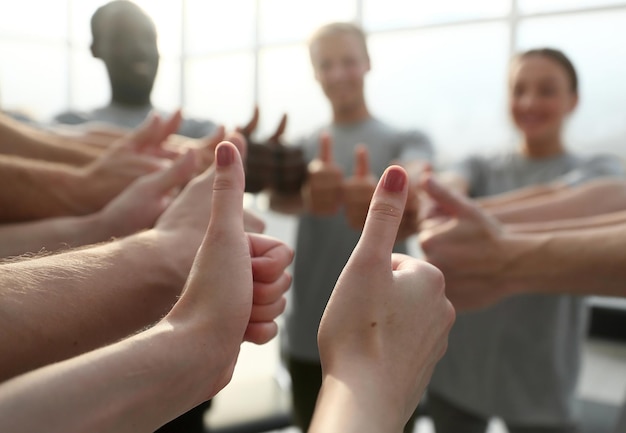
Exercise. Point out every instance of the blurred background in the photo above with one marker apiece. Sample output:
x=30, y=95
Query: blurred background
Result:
x=437, y=66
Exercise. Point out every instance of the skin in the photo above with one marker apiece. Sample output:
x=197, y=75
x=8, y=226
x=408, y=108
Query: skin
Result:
x=183, y=360
x=384, y=328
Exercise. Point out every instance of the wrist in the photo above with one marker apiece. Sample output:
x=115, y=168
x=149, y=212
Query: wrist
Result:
x=354, y=404
x=523, y=263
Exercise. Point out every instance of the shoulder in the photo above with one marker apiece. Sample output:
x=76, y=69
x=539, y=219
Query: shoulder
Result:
x=72, y=117
x=197, y=128
x=604, y=164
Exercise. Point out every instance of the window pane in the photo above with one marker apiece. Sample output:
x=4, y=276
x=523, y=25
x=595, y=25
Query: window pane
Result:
x=22, y=84
x=289, y=21
x=449, y=83
x=600, y=60
x=216, y=26
x=34, y=18
x=287, y=85
x=166, y=93
x=220, y=88
x=389, y=14
x=82, y=10
x=167, y=16
x=89, y=82
x=537, y=6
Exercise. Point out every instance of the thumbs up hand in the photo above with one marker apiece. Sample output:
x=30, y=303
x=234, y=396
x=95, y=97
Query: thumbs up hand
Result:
x=358, y=189
x=322, y=193
x=384, y=328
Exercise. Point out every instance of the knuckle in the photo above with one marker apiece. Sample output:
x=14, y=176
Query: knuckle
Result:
x=385, y=211
x=222, y=183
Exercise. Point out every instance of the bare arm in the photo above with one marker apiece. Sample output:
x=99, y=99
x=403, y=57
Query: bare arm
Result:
x=597, y=221
x=136, y=208
x=593, y=198
x=22, y=140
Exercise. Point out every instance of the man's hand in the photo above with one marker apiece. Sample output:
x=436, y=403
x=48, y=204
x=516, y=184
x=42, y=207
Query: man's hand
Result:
x=322, y=192
x=359, y=189
x=384, y=328
x=467, y=245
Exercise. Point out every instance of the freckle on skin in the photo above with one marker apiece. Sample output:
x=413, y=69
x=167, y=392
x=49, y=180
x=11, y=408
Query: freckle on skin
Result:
x=373, y=324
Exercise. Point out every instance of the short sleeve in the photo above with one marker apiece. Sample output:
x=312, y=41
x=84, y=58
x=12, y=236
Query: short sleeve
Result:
x=415, y=145
x=472, y=169
x=593, y=168
x=194, y=128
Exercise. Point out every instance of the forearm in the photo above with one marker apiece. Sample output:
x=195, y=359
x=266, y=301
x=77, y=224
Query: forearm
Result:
x=594, y=198
x=342, y=408
x=51, y=234
x=133, y=386
x=20, y=140
x=592, y=222
x=519, y=197
x=63, y=305
x=584, y=262
x=34, y=189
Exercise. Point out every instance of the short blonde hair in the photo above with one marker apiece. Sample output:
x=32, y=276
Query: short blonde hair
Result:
x=338, y=28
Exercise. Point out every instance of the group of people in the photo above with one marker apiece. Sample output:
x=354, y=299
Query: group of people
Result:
x=137, y=333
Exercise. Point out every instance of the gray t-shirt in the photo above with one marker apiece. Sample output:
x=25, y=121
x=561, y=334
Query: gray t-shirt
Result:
x=324, y=244
x=131, y=117
x=520, y=358
x=620, y=426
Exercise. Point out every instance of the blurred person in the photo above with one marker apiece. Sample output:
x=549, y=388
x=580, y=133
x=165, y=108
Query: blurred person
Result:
x=332, y=210
x=519, y=358
x=124, y=37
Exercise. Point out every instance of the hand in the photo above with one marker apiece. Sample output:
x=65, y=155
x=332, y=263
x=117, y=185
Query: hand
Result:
x=322, y=192
x=139, y=205
x=467, y=245
x=130, y=157
x=385, y=326
x=358, y=189
x=236, y=285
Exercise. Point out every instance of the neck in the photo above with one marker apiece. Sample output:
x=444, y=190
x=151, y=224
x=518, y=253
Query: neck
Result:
x=542, y=148
x=353, y=114
x=129, y=99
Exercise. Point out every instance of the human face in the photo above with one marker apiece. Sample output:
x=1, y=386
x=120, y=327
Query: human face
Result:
x=540, y=97
x=128, y=47
x=340, y=64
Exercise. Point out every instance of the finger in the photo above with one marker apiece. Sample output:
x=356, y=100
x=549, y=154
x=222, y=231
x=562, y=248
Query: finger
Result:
x=240, y=142
x=326, y=148
x=268, y=293
x=280, y=130
x=448, y=201
x=177, y=175
x=361, y=161
x=145, y=132
x=269, y=312
x=252, y=223
x=171, y=125
x=261, y=333
x=383, y=218
x=228, y=187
